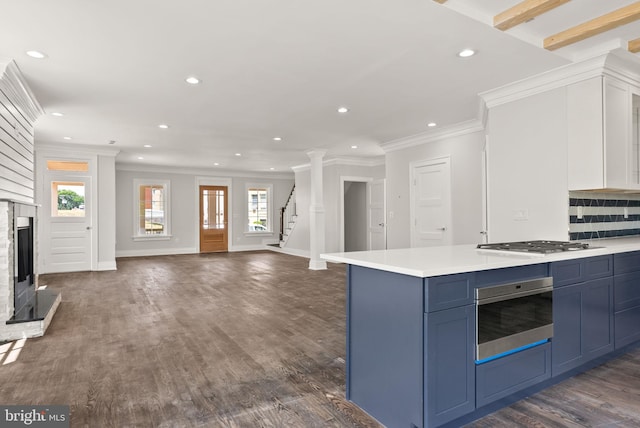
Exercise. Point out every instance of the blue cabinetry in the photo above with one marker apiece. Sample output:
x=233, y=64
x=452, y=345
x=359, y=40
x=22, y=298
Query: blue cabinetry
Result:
x=411, y=341
x=627, y=298
x=582, y=312
x=449, y=375
x=384, y=345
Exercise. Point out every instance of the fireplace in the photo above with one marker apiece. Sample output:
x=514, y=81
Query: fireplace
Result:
x=24, y=292
x=25, y=310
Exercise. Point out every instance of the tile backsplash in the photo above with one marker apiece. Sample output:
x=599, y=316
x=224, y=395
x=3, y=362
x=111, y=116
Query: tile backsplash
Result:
x=595, y=215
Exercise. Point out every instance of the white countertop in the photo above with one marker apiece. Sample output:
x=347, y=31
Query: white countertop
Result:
x=434, y=261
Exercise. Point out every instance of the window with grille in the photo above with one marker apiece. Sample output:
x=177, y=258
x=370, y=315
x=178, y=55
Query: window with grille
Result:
x=151, y=209
x=259, y=208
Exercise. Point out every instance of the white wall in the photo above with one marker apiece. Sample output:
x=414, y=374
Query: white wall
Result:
x=106, y=213
x=184, y=211
x=527, y=169
x=466, y=187
x=355, y=215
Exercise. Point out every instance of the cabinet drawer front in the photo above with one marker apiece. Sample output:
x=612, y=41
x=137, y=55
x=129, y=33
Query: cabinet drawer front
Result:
x=627, y=326
x=627, y=262
x=581, y=270
x=513, y=274
x=450, y=291
x=499, y=378
x=626, y=291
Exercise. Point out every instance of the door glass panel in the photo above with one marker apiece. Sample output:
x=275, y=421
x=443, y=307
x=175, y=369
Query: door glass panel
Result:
x=213, y=209
x=67, y=199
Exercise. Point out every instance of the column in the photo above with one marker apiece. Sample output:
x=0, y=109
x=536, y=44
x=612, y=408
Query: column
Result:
x=316, y=212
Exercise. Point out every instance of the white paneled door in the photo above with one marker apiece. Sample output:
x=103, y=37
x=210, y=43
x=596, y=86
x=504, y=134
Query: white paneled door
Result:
x=376, y=225
x=66, y=223
x=431, y=203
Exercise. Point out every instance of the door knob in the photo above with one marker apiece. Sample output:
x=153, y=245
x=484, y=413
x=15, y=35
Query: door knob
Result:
x=88, y=227
x=442, y=228
x=381, y=224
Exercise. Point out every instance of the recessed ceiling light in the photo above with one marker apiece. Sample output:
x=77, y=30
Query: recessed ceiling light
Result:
x=465, y=53
x=342, y=110
x=431, y=124
x=163, y=126
x=192, y=80
x=271, y=168
x=216, y=164
x=147, y=145
x=36, y=54
x=140, y=158
x=238, y=154
x=66, y=138
x=57, y=114
x=277, y=138
x=354, y=147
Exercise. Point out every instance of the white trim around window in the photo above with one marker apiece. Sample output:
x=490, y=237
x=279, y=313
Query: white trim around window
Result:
x=268, y=211
x=159, y=210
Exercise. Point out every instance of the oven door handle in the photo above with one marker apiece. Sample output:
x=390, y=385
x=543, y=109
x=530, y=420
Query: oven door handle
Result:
x=509, y=296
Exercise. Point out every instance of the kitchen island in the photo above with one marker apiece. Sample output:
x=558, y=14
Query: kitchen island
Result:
x=411, y=327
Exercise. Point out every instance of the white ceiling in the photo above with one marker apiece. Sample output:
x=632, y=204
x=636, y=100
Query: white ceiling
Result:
x=116, y=70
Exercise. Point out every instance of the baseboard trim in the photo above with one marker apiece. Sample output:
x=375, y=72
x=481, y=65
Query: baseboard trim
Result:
x=156, y=252
x=110, y=265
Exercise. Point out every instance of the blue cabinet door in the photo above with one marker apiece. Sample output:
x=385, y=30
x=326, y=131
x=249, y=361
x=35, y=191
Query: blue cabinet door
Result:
x=449, y=375
x=627, y=307
x=582, y=323
x=597, y=318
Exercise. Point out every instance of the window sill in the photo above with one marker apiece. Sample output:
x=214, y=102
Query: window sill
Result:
x=258, y=234
x=151, y=237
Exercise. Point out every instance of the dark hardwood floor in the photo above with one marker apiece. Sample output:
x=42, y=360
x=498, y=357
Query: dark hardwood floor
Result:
x=238, y=340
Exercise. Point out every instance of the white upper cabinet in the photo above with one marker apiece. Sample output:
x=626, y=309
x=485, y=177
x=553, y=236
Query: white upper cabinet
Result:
x=603, y=149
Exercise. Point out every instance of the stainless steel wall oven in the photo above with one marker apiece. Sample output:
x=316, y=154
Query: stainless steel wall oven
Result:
x=511, y=317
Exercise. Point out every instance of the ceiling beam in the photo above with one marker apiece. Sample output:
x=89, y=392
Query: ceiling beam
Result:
x=598, y=25
x=634, y=46
x=523, y=12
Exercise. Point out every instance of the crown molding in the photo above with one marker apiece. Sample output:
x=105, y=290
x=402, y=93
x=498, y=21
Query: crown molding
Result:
x=65, y=149
x=120, y=166
x=552, y=79
x=456, y=130
x=367, y=162
x=20, y=92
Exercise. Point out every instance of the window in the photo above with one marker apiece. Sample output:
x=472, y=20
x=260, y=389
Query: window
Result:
x=151, y=212
x=259, y=208
x=67, y=199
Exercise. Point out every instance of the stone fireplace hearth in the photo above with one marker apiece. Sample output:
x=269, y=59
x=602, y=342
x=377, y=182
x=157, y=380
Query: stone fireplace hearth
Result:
x=25, y=310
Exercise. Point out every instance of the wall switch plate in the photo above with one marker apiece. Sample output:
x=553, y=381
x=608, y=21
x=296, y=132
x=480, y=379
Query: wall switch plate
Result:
x=521, y=215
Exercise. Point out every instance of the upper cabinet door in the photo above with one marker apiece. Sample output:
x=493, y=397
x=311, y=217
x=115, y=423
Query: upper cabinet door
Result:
x=602, y=146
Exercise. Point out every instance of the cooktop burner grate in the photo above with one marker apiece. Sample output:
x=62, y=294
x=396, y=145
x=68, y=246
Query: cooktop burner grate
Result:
x=542, y=247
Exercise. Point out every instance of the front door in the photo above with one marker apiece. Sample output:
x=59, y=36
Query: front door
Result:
x=66, y=216
x=431, y=203
x=213, y=219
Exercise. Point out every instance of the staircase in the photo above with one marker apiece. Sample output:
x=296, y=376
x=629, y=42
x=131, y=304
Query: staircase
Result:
x=288, y=217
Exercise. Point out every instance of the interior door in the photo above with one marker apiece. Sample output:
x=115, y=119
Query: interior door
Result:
x=431, y=203
x=66, y=217
x=214, y=235
x=377, y=229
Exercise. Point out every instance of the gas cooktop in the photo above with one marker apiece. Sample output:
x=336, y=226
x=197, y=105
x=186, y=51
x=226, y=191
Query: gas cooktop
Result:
x=539, y=247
